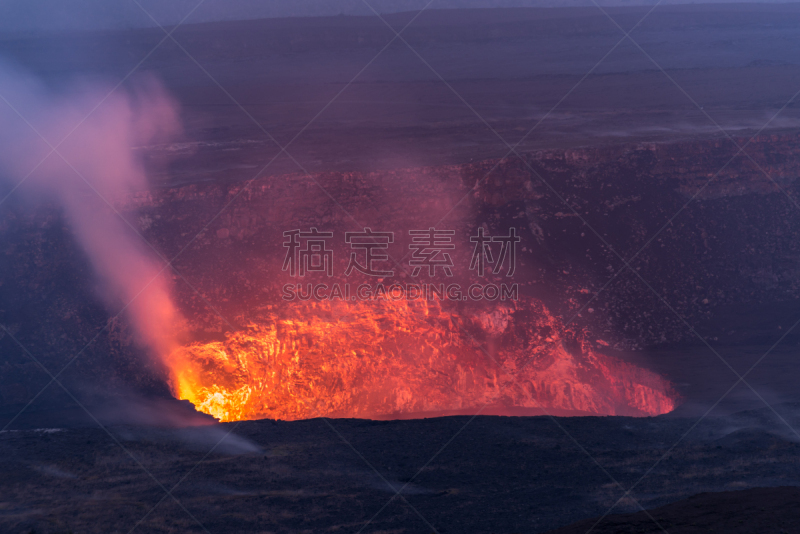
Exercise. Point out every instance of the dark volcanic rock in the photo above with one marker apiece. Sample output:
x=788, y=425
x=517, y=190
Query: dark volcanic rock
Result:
x=455, y=474
x=753, y=510
x=709, y=242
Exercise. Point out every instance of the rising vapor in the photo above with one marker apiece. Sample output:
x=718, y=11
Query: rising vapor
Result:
x=92, y=129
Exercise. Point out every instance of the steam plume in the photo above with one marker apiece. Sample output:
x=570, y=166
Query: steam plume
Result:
x=97, y=166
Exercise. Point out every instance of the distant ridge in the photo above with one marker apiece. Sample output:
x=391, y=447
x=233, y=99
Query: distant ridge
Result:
x=41, y=16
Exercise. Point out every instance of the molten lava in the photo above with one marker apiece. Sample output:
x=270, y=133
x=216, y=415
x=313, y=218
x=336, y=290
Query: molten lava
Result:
x=381, y=359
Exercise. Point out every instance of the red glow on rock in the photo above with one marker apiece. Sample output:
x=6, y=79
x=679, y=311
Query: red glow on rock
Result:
x=401, y=359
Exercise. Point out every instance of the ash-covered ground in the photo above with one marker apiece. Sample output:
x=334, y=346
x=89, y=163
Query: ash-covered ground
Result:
x=454, y=474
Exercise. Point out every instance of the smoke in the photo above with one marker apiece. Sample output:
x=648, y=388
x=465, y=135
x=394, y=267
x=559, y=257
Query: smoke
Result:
x=93, y=130
x=201, y=438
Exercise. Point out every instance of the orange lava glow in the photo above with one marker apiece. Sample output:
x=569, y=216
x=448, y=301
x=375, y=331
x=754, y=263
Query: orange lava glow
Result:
x=395, y=359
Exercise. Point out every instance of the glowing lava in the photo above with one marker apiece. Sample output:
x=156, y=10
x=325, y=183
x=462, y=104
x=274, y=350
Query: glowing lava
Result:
x=384, y=359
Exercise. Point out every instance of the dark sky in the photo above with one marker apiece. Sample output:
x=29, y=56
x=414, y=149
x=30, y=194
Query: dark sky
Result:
x=55, y=15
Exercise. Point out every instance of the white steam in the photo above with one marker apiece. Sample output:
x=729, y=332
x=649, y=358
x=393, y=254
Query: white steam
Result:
x=98, y=127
